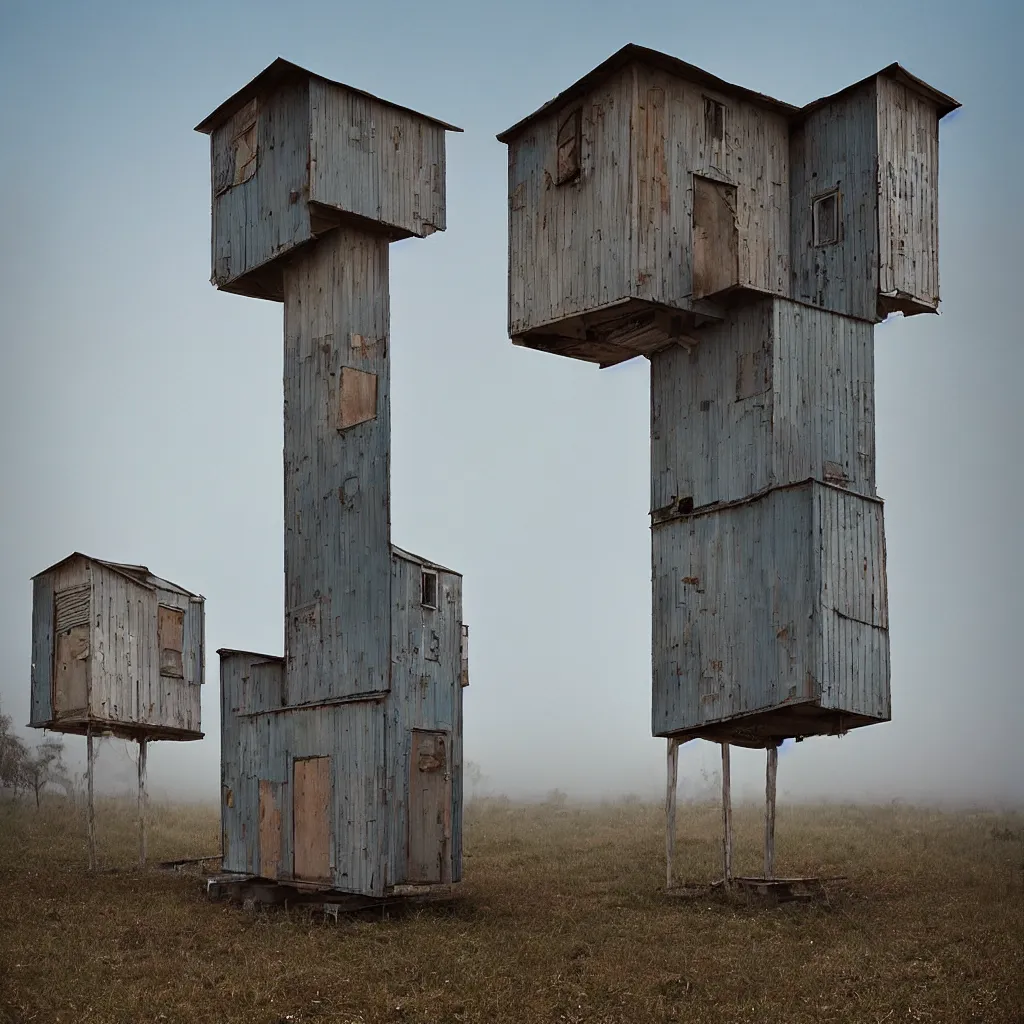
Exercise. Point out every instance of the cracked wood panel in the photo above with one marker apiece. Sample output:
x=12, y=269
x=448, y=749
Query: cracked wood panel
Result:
x=337, y=549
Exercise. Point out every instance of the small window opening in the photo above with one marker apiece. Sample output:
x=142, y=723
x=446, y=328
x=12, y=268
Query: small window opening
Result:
x=714, y=131
x=570, y=133
x=428, y=593
x=825, y=217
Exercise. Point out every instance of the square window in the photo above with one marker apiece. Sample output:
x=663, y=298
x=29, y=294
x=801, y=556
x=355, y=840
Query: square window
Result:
x=569, y=142
x=428, y=589
x=825, y=218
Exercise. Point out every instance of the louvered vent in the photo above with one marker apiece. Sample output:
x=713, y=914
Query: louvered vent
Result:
x=71, y=607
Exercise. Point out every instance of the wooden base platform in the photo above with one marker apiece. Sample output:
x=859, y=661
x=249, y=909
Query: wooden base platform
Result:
x=251, y=890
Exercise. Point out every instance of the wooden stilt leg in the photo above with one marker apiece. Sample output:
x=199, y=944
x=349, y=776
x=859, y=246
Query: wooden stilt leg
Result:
x=90, y=812
x=769, y=812
x=142, y=802
x=726, y=815
x=670, y=809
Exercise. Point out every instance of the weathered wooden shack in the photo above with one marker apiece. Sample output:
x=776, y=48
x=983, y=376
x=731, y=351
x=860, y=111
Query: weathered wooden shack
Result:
x=650, y=195
x=746, y=247
x=116, y=651
x=341, y=759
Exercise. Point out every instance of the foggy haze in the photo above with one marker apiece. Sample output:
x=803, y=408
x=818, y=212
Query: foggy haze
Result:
x=141, y=410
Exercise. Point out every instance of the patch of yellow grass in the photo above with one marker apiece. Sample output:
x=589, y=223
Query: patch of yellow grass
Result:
x=560, y=919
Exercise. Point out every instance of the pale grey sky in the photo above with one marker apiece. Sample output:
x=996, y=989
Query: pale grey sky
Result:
x=140, y=410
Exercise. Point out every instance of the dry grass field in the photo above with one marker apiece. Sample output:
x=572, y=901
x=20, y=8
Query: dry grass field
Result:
x=560, y=919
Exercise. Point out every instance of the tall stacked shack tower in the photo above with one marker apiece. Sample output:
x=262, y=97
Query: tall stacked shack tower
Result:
x=746, y=247
x=342, y=760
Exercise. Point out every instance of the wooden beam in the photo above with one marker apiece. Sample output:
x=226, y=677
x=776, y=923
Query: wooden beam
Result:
x=769, y=812
x=726, y=815
x=670, y=809
x=90, y=755
x=143, y=802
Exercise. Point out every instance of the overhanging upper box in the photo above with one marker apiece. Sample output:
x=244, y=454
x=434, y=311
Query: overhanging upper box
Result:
x=294, y=154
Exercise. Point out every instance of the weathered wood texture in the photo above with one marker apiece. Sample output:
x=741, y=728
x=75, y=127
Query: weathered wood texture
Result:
x=376, y=161
x=297, y=159
x=671, y=791
x=429, y=834
x=777, y=394
x=256, y=220
x=622, y=228
x=337, y=549
x=311, y=818
x=908, y=214
x=369, y=742
x=771, y=776
x=773, y=605
x=118, y=647
x=263, y=747
x=426, y=695
x=837, y=147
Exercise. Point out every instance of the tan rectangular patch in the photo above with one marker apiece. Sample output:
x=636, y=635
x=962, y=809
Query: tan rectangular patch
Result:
x=715, y=237
x=358, y=397
x=311, y=813
x=71, y=673
x=170, y=632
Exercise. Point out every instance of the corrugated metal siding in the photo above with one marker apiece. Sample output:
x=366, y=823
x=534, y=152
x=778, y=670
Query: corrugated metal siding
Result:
x=776, y=394
x=837, y=146
x=779, y=599
x=337, y=552
x=425, y=663
x=376, y=161
x=671, y=146
x=908, y=171
x=258, y=220
x=569, y=245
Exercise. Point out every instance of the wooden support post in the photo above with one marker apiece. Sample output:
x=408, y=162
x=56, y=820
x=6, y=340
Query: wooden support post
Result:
x=670, y=809
x=726, y=815
x=90, y=813
x=769, y=812
x=142, y=802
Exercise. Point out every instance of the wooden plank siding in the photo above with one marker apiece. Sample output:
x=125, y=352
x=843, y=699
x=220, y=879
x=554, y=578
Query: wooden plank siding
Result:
x=777, y=394
x=259, y=219
x=426, y=695
x=908, y=215
x=836, y=147
x=376, y=161
x=570, y=245
x=118, y=652
x=337, y=545
x=754, y=610
x=672, y=145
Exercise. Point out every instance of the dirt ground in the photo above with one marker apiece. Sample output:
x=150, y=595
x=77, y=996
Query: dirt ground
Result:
x=560, y=919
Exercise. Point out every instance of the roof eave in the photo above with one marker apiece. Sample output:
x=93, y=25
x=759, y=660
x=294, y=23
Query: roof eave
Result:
x=281, y=69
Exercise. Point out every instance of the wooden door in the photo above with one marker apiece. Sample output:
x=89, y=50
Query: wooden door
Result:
x=429, y=808
x=311, y=819
x=715, y=237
